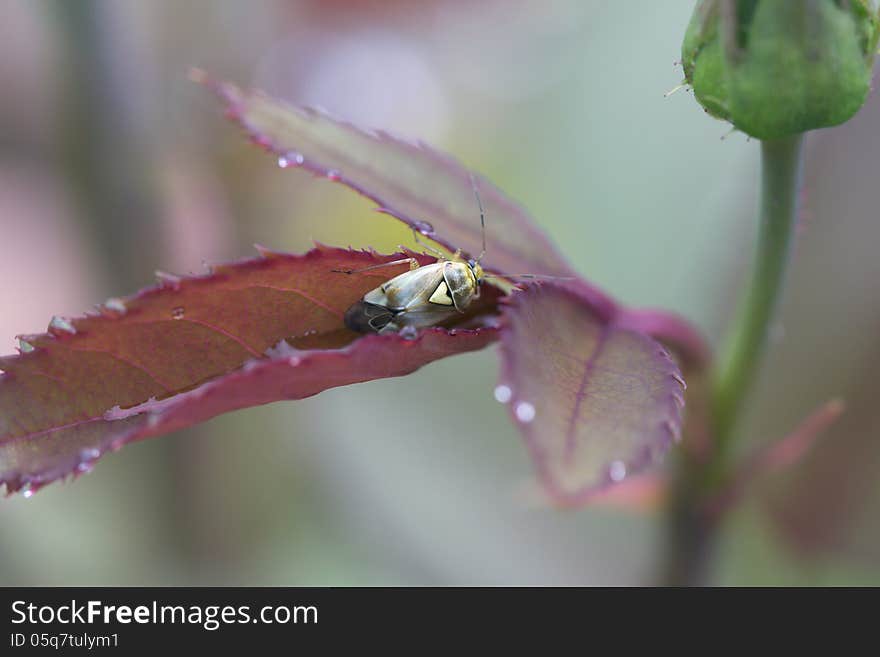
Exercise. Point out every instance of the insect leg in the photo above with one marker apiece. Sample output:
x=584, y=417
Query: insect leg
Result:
x=413, y=264
x=430, y=248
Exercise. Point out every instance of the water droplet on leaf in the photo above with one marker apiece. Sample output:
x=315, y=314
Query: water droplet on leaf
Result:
x=115, y=304
x=617, y=471
x=89, y=453
x=291, y=159
x=423, y=227
x=409, y=333
x=177, y=312
x=524, y=412
x=503, y=394
x=62, y=325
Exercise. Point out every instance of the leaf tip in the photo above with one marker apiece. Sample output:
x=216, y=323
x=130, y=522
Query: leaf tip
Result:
x=266, y=252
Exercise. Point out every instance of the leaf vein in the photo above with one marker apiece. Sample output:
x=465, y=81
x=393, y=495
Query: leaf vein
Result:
x=581, y=394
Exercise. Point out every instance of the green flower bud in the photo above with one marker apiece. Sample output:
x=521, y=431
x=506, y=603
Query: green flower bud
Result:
x=775, y=68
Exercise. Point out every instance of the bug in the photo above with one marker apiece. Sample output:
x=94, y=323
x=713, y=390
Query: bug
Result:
x=424, y=296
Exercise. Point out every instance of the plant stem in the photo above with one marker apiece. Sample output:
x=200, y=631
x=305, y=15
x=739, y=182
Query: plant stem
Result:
x=738, y=363
x=692, y=528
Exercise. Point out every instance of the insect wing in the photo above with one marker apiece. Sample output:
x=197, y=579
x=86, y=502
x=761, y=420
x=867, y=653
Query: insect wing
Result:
x=365, y=317
x=409, y=290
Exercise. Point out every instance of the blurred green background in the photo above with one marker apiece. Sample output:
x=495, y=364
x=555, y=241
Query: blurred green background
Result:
x=113, y=165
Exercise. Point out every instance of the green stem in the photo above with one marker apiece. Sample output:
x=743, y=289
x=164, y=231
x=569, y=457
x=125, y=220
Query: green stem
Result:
x=738, y=363
x=692, y=527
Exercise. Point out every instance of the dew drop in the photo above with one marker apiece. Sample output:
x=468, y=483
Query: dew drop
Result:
x=115, y=304
x=177, y=312
x=24, y=346
x=525, y=412
x=617, y=471
x=84, y=467
x=293, y=361
x=60, y=324
x=89, y=453
x=503, y=394
x=424, y=227
x=27, y=492
x=409, y=333
x=291, y=159
x=334, y=175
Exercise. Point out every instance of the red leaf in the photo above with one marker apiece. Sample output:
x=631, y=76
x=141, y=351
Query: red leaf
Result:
x=173, y=356
x=595, y=401
x=673, y=331
x=418, y=185
x=410, y=181
x=431, y=192
x=33, y=460
x=643, y=493
x=60, y=401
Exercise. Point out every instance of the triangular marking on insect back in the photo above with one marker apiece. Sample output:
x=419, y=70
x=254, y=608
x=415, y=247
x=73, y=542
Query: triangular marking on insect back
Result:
x=441, y=295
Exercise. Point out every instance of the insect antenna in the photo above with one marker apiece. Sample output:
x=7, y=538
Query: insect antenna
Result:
x=482, y=215
x=483, y=252
x=548, y=277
